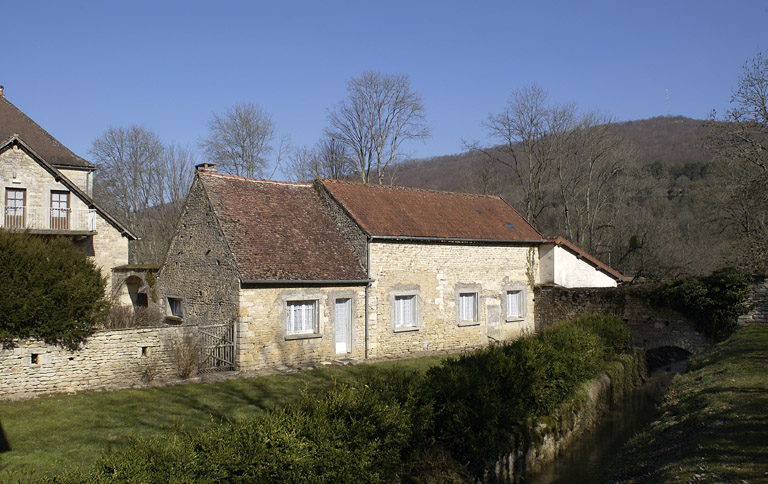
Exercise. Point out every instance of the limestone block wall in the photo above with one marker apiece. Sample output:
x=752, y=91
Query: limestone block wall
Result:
x=436, y=273
x=199, y=268
x=650, y=326
x=758, y=303
x=263, y=341
x=19, y=170
x=110, y=249
x=110, y=359
x=82, y=178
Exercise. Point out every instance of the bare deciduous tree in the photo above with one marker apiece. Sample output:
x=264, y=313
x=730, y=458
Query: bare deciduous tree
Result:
x=327, y=159
x=380, y=113
x=240, y=140
x=740, y=138
x=531, y=132
x=144, y=184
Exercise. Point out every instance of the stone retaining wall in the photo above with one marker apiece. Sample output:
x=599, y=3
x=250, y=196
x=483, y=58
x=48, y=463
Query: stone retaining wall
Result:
x=548, y=436
x=758, y=301
x=110, y=359
x=651, y=327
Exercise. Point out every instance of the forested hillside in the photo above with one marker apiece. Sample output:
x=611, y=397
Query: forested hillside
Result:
x=656, y=205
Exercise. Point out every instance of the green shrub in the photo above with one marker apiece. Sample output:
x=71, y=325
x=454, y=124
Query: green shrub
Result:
x=714, y=302
x=346, y=434
x=48, y=290
x=610, y=329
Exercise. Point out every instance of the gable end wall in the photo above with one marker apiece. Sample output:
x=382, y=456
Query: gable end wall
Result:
x=199, y=267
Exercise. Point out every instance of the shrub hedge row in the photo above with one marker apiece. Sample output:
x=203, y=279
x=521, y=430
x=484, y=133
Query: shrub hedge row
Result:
x=393, y=426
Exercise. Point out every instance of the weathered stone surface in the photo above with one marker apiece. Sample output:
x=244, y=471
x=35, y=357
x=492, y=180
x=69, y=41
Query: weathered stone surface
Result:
x=651, y=327
x=435, y=274
x=109, y=360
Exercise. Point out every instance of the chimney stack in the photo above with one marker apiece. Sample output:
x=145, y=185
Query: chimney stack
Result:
x=206, y=167
x=1, y=90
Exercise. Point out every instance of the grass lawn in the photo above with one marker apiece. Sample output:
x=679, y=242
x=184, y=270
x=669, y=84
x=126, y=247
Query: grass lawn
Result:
x=713, y=425
x=49, y=434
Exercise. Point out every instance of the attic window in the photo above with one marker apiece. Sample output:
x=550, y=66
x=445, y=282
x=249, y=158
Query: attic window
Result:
x=509, y=225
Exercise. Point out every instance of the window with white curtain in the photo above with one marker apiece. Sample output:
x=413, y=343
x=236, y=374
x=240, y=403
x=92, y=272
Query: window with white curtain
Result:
x=301, y=317
x=467, y=307
x=404, y=312
x=515, y=303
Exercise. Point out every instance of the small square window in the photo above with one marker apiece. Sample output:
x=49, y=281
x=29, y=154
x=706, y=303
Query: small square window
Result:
x=404, y=312
x=301, y=317
x=467, y=307
x=515, y=303
x=175, y=307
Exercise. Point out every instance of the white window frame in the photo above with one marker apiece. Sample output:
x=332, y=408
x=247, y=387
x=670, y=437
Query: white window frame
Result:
x=412, y=322
x=302, y=308
x=461, y=308
x=522, y=306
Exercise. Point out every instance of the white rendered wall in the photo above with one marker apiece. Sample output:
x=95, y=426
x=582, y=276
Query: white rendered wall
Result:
x=571, y=271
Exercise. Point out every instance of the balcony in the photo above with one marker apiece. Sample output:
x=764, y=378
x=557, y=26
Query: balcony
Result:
x=46, y=220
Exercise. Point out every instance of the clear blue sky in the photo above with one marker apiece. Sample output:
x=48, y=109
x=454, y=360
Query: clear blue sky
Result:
x=79, y=67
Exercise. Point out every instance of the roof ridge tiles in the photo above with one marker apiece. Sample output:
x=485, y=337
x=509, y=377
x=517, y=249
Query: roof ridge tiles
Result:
x=402, y=187
x=254, y=180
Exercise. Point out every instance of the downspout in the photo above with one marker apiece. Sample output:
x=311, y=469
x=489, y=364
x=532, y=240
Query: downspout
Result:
x=367, y=287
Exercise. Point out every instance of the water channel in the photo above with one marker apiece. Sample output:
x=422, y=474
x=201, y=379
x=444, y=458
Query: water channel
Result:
x=587, y=459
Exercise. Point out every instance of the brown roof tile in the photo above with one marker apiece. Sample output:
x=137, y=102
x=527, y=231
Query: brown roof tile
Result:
x=391, y=211
x=279, y=231
x=575, y=249
x=14, y=122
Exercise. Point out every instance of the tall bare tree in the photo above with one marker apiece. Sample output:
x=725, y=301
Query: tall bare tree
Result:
x=378, y=115
x=240, y=140
x=590, y=171
x=144, y=184
x=531, y=133
x=740, y=138
x=129, y=161
x=327, y=159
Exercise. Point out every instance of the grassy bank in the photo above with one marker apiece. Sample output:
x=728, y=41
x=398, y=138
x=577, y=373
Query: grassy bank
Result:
x=714, y=422
x=53, y=433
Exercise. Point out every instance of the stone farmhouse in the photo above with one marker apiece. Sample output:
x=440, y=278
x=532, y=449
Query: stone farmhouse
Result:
x=47, y=191
x=286, y=274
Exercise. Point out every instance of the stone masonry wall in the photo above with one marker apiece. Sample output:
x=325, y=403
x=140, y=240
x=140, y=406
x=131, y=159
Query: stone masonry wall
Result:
x=199, y=268
x=651, y=327
x=263, y=342
x=758, y=302
x=436, y=273
x=110, y=359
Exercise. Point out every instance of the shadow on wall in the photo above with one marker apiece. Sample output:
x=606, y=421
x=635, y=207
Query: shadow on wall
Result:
x=4, y=445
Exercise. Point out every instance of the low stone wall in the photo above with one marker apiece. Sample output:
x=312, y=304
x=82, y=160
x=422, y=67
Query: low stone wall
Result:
x=111, y=359
x=548, y=436
x=758, y=302
x=651, y=327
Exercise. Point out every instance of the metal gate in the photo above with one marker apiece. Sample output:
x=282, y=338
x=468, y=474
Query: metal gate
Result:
x=217, y=347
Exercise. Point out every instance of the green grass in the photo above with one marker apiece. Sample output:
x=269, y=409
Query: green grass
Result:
x=713, y=425
x=52, y=433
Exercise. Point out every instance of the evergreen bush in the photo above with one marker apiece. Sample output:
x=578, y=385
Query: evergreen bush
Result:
x=48, y=290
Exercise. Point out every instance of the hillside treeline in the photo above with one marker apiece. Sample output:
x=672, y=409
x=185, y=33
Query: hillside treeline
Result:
x=663, y=205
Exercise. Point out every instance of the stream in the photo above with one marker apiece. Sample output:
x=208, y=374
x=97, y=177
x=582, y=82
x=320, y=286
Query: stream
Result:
x=585, y=461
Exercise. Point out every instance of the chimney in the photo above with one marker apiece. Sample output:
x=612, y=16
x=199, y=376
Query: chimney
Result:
x=2, y=88
x=209, y=167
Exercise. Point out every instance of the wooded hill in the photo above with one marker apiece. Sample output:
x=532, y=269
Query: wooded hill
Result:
x=663, y=211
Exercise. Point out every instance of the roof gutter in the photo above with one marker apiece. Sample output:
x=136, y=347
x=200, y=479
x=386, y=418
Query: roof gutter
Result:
x=454, y=239
x=299, y=282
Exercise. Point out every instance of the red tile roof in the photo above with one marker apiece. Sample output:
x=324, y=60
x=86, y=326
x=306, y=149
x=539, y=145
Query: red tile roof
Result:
x=575, y=249
x=279, y=231
x=390, y=211
x=14, y=122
